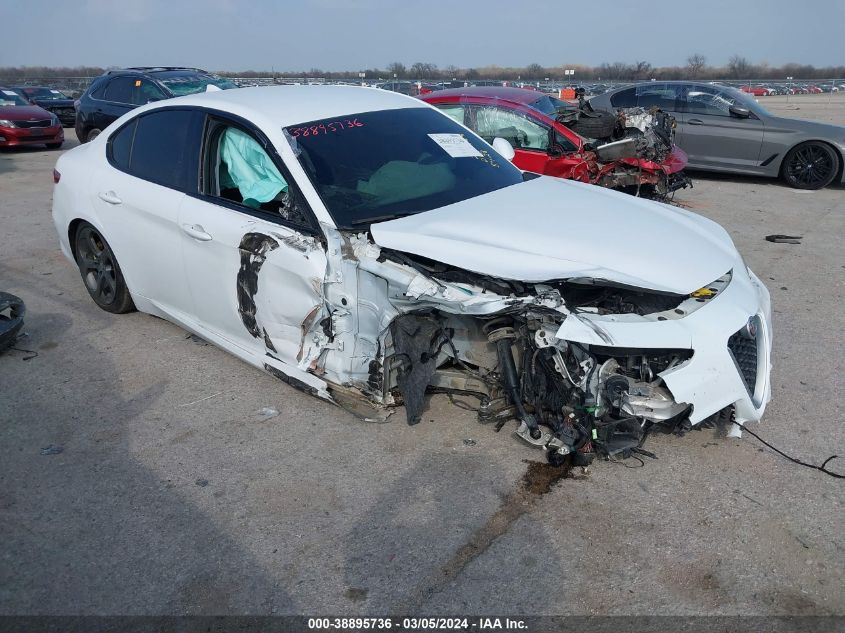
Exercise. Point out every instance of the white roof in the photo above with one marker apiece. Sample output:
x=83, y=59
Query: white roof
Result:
x=288, y=105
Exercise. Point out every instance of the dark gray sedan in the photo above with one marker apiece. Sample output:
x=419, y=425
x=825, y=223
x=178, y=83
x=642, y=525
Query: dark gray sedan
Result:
x=725, y=130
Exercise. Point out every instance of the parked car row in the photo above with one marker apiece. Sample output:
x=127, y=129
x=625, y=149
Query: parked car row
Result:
x=764, y=90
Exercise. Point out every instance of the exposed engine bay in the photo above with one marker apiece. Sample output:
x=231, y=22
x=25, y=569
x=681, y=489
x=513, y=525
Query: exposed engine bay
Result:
x=493, y=345
x=623, y=139
x=568, y=398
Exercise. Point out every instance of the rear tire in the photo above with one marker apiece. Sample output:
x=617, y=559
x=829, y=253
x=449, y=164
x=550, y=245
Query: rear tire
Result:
x=53, y=145
x=810, y=165
x=92, y=134
x=100, y=271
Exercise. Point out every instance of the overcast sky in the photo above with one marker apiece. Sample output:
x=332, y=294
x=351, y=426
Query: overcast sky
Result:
x=354, y=34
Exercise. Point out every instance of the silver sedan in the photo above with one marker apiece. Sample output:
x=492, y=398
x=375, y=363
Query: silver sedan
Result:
x=724, y=130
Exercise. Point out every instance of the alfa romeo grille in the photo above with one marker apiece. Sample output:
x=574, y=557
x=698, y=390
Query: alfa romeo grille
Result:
x=744, y=350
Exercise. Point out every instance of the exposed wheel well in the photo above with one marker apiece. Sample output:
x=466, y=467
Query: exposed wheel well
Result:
x=71, y=235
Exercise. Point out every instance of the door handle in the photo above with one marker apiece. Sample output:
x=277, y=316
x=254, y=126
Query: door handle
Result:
x=695, y=122
x=197, y=232
x=110, y=197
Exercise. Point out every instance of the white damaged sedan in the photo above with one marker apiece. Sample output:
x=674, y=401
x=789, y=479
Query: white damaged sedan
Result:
x=365, y=247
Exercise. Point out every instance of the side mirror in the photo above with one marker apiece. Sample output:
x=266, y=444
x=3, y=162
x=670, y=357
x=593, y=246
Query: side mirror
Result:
x=739, y=112
x=503, y=147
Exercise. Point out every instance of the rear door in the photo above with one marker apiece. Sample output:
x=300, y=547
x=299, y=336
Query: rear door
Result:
x=254, y=265
x=712, y=137
x=152, y=161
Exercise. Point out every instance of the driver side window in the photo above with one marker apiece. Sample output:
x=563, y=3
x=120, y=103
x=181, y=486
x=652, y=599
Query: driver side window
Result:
x=239, y=170
x=517, y=129
x=706, y=100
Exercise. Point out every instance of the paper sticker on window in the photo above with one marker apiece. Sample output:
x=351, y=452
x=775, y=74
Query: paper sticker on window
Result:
x=455, y=145
x=137, y=83
x=10, y=93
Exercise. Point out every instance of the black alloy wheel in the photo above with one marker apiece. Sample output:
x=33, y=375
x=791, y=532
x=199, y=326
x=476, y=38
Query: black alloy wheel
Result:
x=100, y=271
x=810, y=165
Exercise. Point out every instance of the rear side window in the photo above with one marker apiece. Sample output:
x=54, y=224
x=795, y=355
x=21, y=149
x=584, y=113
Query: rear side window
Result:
x=163, y=148
x=119, y=90
x=120, y=146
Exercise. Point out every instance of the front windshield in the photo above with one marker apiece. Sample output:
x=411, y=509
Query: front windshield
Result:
x=550, y=106
x=379, y=165
x=44, y=94
x=186, y=83
x=11, y=98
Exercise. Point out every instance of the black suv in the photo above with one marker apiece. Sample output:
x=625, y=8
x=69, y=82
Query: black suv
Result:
x=113, y=94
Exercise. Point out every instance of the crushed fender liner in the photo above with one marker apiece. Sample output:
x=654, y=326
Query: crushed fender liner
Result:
x=417, y=341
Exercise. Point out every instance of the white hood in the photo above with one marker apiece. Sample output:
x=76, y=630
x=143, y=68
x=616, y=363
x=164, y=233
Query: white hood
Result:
x=548, y=228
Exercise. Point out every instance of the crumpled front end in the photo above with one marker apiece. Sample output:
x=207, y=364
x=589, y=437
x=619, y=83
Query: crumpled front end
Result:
x=727, y=329
x=582, y=366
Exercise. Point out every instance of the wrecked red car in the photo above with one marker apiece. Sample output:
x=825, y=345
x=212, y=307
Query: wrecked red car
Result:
x=632, y=150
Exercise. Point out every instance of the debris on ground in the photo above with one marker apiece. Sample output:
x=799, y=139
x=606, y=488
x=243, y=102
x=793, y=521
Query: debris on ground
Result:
x=52, y=449
x=12, y=311
x=267, y=413
x=784, y=239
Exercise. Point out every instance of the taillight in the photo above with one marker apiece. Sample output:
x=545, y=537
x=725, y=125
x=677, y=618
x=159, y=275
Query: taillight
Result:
x=56, y=176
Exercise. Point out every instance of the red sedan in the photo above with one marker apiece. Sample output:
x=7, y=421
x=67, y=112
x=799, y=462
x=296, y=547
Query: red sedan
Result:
x=757, y=91
x=534, y=125
x=24, y=124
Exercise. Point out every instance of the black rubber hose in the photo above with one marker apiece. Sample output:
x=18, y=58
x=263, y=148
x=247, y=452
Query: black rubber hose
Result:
x=507, y=366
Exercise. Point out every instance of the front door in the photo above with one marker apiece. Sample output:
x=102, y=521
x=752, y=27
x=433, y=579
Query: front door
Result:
x=254, y=266
x=712, y=137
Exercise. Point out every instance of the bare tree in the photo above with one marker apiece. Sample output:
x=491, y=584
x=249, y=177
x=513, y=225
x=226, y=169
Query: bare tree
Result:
x=423, y=70
x=739, y=67
x=397, y=68
x=695, y=64
x=642, y=70
x=534, y=71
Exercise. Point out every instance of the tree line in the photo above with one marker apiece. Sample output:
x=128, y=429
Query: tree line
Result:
x=696, y=67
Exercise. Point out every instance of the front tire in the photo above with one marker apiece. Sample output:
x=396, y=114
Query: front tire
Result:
x=53, y=145
x=810, y=165
x=100, y=271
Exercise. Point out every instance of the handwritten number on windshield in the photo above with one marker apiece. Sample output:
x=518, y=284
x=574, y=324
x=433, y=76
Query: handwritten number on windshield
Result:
x=324, y=128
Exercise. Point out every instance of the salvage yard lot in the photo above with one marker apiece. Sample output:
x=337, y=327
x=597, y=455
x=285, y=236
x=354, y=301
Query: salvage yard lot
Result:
x=169, y=486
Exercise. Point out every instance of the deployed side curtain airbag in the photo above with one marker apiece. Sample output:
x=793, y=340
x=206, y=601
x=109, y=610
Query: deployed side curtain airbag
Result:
x=250, y=169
